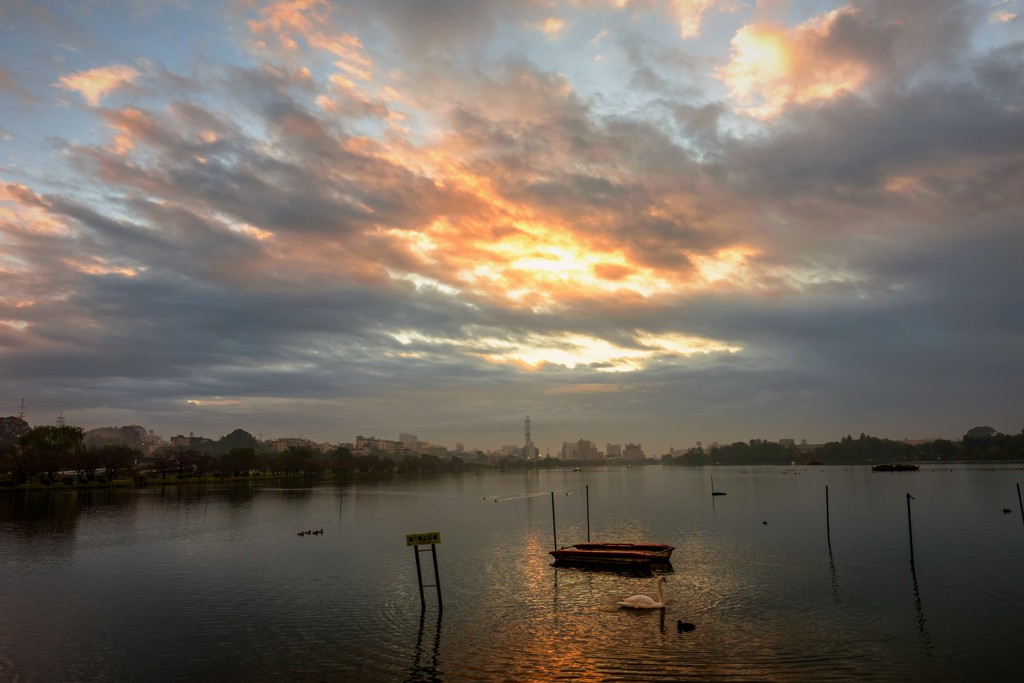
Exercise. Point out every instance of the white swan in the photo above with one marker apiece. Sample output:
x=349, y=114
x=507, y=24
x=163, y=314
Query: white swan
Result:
x=645, y=601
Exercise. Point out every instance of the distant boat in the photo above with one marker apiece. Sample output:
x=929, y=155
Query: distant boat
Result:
x=633, y=554
x=900, y=467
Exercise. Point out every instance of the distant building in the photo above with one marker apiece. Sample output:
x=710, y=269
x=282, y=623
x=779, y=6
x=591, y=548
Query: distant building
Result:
x=189, y=441
x=787, y=442
x=612, y=450
x=437, y=451
x=284, y=443
x=580, y=450
x=633, y=451
x=588, y=450
x=367, y=445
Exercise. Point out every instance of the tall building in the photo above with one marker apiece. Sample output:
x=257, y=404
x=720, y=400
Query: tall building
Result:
x=587, y=450
x=530, y=451
x=580, y=450
x=633, y=451
x=612, y=450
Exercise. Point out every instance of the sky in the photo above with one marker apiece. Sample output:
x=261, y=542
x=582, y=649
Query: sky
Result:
x=634, y=221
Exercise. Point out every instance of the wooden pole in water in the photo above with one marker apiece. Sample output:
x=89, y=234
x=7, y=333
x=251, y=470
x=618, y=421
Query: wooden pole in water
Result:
x=910, y=527
x=419, y=578
x=437, y=579
x=1019, y=504
x=588, y=513
x=828, y=525
x=554, y=528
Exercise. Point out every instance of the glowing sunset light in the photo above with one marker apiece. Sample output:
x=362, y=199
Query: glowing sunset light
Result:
x=570, y=351
x=551, y=25
x=99, y=268
x=214, y=402
x=759, y=55
x=685, y=345
x=252, y=232
x=724, y=264
x=771, y=65
x=576, y=350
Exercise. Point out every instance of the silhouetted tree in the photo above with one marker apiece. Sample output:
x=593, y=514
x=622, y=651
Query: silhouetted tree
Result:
x=116, y=459
x=51, y=448
x=238, y=460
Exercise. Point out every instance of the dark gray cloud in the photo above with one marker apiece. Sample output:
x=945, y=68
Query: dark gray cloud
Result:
x=233, y=252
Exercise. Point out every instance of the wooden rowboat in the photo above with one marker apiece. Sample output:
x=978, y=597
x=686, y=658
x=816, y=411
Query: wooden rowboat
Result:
x=614, y=553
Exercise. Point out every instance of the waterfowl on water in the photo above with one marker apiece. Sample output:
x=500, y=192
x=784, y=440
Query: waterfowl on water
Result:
x=645, y=601
x=684, y=626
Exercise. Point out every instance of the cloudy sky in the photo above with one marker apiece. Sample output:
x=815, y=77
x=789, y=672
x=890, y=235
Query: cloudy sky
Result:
x=653, y=221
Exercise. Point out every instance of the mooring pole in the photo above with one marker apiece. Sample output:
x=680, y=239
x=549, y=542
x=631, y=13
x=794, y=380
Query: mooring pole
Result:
x=419, y=578
x=910, y=527
x=554, y=528
x=828, y=525
x=588, y=513
x=1019, y=503
x=437, y=580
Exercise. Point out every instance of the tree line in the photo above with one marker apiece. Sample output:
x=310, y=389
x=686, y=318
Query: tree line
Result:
x=978, y=444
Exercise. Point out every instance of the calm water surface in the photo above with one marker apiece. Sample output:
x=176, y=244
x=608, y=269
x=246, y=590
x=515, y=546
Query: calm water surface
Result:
x=214, y=584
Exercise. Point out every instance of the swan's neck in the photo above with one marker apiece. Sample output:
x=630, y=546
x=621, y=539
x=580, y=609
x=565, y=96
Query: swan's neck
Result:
x=661, y=596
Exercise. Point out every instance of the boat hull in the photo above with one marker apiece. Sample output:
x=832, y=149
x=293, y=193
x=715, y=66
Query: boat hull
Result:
x=630, y=554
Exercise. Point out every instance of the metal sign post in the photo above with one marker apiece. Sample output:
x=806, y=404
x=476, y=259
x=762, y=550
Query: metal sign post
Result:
x=431, y=539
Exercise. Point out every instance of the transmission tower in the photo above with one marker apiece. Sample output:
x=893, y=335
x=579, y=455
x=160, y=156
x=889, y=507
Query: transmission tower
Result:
x=21, y=410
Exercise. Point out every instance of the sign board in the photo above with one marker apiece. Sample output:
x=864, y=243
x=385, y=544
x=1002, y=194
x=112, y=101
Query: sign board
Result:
x=423, y=539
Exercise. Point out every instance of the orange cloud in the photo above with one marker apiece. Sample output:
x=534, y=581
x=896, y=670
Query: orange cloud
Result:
x=551, y=25
x=24, y=210
x=96, y=84
x=97, y=266
x=690, y=14
x=289, y=21
x=772, y=67
x=287, y=17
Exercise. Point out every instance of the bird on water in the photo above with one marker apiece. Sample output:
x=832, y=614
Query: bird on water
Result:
x=645, y=601
x=684, y=626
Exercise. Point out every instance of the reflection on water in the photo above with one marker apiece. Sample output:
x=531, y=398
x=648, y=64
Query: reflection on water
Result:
x=426, y=664
x=212, y=583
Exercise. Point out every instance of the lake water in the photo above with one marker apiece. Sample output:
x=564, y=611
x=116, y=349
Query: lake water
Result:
x=214, y=584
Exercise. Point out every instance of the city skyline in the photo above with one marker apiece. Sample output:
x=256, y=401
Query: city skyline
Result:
x=648, y=221
x=610, y=448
